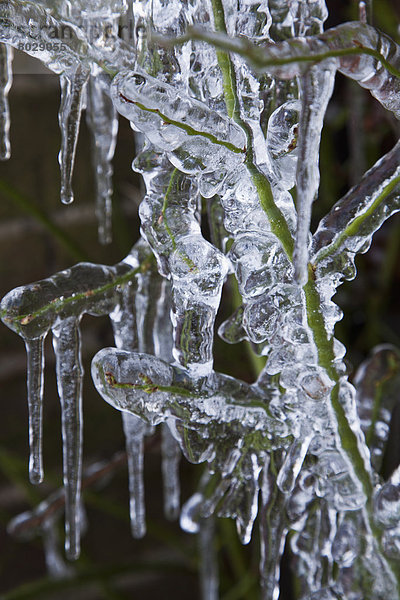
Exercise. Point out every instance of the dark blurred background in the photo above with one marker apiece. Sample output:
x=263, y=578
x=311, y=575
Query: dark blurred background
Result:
x=163, y=565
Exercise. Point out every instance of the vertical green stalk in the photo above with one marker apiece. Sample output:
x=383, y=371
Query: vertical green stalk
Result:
x=279, y=227
x=276, y=219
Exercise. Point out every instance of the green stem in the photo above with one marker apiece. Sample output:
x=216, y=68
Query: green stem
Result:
x=255, y=55
x=324, y=344
x=348, y=439
x=59, y=303
x=187, y=128
x=354, y=226
x=326, y=358
x=276, y=219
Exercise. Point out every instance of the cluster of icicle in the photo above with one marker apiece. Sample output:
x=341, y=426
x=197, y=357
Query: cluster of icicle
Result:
x=237, y=131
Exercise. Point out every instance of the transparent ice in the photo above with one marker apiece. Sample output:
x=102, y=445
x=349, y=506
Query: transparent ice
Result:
x=228, y=100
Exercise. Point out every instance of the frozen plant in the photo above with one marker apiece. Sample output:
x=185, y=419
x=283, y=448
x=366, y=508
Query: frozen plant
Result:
x=229, y=100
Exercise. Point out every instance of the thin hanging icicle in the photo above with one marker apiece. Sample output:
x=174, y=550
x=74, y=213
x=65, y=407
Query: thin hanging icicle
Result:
x=135, y=430
x=208, y=560
x=103, y=122
x=69, y=116
x=171, y=456
x=124, y=323
x=273, y=531
x=170, y=450
x=316, y=89
x=293, y=463
x=6, y=54
x=67, y=348
x=35, y=358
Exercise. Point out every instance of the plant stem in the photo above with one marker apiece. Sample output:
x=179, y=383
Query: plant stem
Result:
x=59, y=303
x=257, y=58
x=276, y=219
x=324, y=344
x=354, y=226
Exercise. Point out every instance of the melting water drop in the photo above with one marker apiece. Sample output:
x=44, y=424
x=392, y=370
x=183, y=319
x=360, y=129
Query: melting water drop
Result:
x=67, y=348
x=6, y=54
x=35, y=358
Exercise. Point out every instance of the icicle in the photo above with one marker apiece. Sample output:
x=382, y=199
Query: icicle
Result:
x=272, y=536
x=102, y=120
x=67, y=347
x=6, y=54
x=293, y=463
x=162, y=324
x=35, y=357
x=171, y=456
x=316, y=90
x=69, y=116
x=377, y=383
x=208, y=560
x=135, y=430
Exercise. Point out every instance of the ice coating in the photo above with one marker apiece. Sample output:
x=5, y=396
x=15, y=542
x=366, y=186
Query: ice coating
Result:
x=152, y=385
x=58, y=304
x=141, y=320
x=69, y=59
x=348, y=227
x=292, y=464
x=295, y=434
x=196, y=268
x=6, y=54
x=100, y=20
x=376, y=69
x=316, y=87
x=170, y=123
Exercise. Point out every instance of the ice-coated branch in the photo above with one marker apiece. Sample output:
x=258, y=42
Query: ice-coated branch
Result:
x=364, y=54
x=316, y=87
x=58, y=304
x=348, y=228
